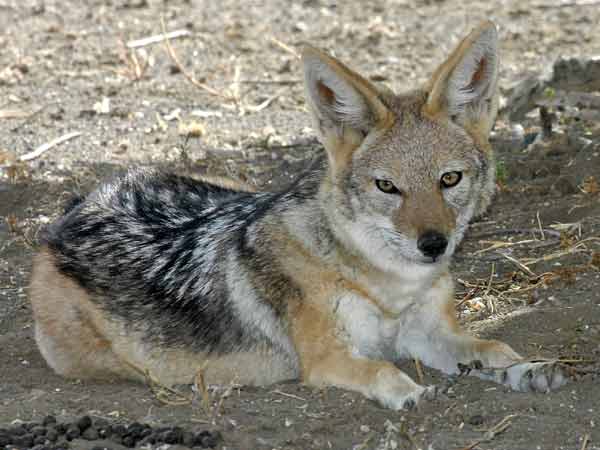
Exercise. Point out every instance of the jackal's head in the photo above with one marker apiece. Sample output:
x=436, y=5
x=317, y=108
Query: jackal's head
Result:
x=407, y=172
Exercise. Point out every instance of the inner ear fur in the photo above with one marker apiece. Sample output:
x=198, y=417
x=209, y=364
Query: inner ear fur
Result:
x=344, y=106
x=464, y=87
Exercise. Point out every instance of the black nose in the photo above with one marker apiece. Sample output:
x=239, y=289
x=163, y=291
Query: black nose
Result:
x=432, y=244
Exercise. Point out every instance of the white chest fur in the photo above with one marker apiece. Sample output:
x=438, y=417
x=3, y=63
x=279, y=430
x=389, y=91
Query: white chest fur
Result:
x=394, y=326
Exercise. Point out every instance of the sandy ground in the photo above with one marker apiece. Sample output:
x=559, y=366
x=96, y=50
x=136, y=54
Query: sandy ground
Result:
x=64, y=66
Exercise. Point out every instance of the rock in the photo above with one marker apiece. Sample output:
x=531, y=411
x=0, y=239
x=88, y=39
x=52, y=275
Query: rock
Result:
x=577, y=74
x=522, y=97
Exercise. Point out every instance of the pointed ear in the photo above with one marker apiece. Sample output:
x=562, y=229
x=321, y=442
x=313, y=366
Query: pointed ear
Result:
x=465, y=87
x=345, y=107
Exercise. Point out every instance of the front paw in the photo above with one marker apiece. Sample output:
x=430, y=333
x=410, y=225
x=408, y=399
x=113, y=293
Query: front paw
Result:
x=396, y=390
x=530, y=376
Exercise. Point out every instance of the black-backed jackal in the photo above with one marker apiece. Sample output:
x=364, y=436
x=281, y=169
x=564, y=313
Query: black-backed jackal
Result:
x=330, y=281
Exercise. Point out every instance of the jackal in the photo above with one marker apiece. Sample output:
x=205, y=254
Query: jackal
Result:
x=330, y=281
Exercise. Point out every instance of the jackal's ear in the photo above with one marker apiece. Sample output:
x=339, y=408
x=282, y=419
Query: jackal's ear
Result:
x=345, y=107
x=465, y=86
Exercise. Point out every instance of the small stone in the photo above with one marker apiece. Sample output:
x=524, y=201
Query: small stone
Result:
x=128, y=441
x=365, y=428
x=475, y=420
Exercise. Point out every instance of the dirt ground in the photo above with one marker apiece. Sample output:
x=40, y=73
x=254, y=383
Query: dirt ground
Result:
x=64, y=68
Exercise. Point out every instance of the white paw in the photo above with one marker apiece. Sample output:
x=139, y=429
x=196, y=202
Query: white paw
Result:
x=396, y=391
x=535, y=376
x=528, y=376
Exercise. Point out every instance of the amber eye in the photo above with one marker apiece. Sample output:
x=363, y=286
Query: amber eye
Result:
x=450, y=179
x=386, y=186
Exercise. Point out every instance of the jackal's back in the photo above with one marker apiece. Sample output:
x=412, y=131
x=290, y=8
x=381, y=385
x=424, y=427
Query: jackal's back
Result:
x=157, y=250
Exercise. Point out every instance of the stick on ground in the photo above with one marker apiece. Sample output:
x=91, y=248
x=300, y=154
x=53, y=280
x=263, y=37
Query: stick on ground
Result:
x=157, y=38
x=47, y=146
x=182, y=69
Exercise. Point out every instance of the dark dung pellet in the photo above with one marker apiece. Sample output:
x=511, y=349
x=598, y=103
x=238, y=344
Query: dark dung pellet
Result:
x=150, y=439
x=171, y=437
x=128, y=441
x=51, y=434
x=119, y=430
x=83, y=423
x=40, y=447
x=188, y=439
x=49, y=420
x=100, y=422
x=17, y=431
x=30, y=425
x=73, y=432
x=91, y=434
x=475, y=420
x=25, y=440
x=211, y=439
x=5, y=439
x=39, y=431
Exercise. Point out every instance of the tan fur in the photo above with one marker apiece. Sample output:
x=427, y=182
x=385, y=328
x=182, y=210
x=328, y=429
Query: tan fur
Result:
x=79, y=341
x=424, y=211
x=352, y=308
x=436, y=108
x=227, y=183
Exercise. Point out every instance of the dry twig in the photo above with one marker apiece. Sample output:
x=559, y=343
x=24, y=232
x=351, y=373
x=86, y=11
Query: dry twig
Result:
x=47, y=146
x=285, y=394
x=419, y=369
x=285, y=47
x=157, y=38
x=492, y=432
x=182, y=69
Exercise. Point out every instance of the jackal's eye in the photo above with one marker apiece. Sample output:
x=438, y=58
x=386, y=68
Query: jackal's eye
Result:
x=386, y=186
x=450, y=179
